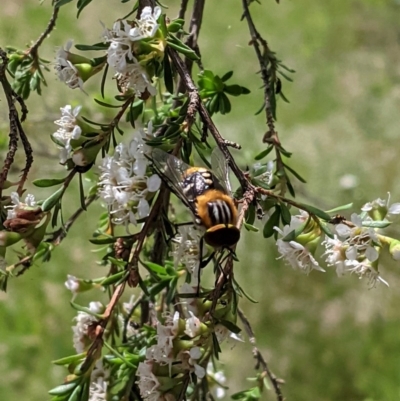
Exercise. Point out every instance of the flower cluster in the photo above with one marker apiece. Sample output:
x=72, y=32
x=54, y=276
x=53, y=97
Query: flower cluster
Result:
x=81, y=329
x=18, y=206
x=73, y=69
x=179, y=348
x=355, y=246
x=124, y=184
x=355, y=249
x=187, y=250
x=127, y=56
x=299, y=253
x=67, y=72
x=69, y=130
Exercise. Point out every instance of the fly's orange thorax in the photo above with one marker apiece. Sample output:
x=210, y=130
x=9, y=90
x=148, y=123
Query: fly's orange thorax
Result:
x=215, y=207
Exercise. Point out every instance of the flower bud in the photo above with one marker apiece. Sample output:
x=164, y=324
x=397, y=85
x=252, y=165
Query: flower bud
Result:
x=394, y=249
x=8, y=238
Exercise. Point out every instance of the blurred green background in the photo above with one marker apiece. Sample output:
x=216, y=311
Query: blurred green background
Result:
x=328, y=338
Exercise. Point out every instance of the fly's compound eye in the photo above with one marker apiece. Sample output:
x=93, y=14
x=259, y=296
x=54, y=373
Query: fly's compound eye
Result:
x=222, y=235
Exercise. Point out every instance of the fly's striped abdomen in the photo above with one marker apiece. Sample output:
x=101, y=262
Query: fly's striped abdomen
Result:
x=219, y=212
x=214, y=207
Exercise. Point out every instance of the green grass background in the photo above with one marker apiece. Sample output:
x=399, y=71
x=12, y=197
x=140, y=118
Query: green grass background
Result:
x=330, y=339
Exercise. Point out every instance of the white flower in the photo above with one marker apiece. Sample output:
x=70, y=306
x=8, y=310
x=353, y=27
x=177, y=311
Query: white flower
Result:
x=99, y=382
x=195, y=354
x=298, y=256
x=66, y=71
x=216, y=382
x=193, y=326
x=265, y=177
x=72, y=284
x=364, y=269
x=162, y=352
x=135, y=77
x=335, y=254
x=191, y=303
x=187, y=251
x=69, y=130
x=383, y=206
x=124, y=184
x=148, y=382
x=361, y=240
x=119, y=53
x=147, y=26
x=98, y=390
x=83, y=321
x=18, y=205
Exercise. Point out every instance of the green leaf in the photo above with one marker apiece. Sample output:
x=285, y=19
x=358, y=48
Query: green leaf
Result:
x=103, y=80
x=157, y=288
x=224, y=104
x=59, y=3
x=82, y=193
x=285, y=76
x=214, y=104
x=168, y=77
x=326, y=230
x=206, y=81
x=64, y=388
x=313, y=210
x=102, y=241
x=114, y=278
x=104, y=104
x=285, y=214
x=251, y=214
x=155, y=268
x=230, y=326
x=81, y=5
x=48, y=182
x=264, y=153
x=227, y=76
x=272, y=222
x=340, y=208
x=234, y=90
x=182, y=48
x=69, y=359
x=176, y=25
x=290, y=187
x=297, y=175
x=250, y=227
x=52, y=200
x=284, y=98
x=96, y=46
x=376, y=224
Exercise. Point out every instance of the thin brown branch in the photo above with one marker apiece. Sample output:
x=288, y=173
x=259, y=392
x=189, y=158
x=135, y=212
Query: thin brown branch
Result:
x=33, y=50
x=256, y=40
x=94, y=352
x=194, y=31
x=182, y=9
x=15, y=128
x=276, y=382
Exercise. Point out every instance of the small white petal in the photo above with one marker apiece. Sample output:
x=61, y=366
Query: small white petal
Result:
x=394, y=208
x=153, y=183
x=143, y=208
x=372, y=254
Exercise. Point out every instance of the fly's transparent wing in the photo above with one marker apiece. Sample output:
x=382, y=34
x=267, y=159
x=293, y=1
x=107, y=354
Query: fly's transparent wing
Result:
x=220, y=168
x=171, y=170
